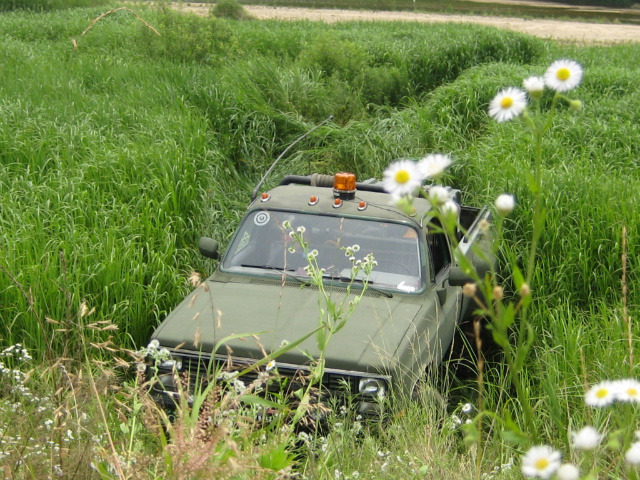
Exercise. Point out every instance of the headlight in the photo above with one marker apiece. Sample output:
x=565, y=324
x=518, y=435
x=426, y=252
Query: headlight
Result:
x=173, y=363
x=372, y=387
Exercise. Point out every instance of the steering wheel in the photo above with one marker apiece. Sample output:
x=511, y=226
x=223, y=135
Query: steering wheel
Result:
x=392, y=266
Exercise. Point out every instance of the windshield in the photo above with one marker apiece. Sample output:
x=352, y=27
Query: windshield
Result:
x=262, y=245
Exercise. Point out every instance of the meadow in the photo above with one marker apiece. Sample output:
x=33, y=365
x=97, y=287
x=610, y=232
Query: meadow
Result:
x=120, y=149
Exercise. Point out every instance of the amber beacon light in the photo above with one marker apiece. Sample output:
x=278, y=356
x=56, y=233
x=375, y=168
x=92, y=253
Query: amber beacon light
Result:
x=344, y=185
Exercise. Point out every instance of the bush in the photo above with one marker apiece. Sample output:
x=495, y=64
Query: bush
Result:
x=230, y=9
x=40, y=5
x=335, y=56
x=189, y=38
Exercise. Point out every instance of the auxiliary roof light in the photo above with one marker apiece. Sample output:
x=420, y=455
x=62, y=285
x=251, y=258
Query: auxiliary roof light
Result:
x=344, y=185
x=337, y=203
x=313, y=200
x=362, y=205
x=265, y=197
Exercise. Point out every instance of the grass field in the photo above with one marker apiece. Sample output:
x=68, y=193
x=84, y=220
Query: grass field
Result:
x=115, y=156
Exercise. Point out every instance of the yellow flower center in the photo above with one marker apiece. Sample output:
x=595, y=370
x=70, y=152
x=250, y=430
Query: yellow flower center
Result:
x=506, y=102
x=602, y=393
x=541, y=463
x=632, y=392
x=402, y=176
x=563, y=74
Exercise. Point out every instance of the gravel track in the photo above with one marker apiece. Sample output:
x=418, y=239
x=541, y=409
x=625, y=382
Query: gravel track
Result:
x=581, y=32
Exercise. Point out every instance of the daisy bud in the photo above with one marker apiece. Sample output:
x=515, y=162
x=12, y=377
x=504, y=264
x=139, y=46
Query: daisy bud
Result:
x=505, y=204
x=534, y=87
x=575, y=105
x=568, y=472
x=586, y=438
x=498, y=292
x=484, y=226
x=632, y=456
x=525, y=290
x=469, y=289
x=438, y=195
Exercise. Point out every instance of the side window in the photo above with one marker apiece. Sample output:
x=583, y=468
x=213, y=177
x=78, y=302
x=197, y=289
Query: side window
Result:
x=439, y=251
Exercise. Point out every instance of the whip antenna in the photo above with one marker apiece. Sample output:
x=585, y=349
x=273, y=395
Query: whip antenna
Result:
x=273, y=165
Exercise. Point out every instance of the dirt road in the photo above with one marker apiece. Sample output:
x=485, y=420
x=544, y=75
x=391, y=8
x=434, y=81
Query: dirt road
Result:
x=554, y=29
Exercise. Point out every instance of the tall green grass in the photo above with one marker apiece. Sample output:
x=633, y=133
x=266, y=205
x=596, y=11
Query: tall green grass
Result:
x=116, y=156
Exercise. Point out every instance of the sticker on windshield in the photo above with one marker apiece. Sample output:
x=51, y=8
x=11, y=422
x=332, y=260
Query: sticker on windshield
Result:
x=405, y=288
x=261, y=218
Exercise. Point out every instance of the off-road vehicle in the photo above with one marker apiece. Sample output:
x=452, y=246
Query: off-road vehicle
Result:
x=404, y=323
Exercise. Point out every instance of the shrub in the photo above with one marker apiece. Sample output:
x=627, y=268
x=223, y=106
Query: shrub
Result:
x=40, y=5
x=189, y=38
x=230, y=9
x=335, y=56
x=384, y=85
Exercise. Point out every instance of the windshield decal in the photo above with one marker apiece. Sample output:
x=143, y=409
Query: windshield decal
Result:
x=261, y=218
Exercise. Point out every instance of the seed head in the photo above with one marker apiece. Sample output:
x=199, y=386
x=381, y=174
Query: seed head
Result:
x=469, y=289
x=498, y=292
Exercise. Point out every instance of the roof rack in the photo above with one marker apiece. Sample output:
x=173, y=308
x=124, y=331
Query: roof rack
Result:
x=319, y=180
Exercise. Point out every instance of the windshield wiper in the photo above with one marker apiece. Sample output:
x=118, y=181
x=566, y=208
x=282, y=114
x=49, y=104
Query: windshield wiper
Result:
x=279, y=270
x=345, y=279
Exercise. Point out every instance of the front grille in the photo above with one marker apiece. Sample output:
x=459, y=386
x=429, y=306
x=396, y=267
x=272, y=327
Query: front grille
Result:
x=339, y=388
x=285, y=378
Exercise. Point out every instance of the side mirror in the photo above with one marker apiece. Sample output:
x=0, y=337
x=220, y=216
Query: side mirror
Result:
x=208, y=248
x=457, y=278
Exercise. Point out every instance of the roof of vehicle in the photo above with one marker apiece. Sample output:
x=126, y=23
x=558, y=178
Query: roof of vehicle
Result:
x=379, y=205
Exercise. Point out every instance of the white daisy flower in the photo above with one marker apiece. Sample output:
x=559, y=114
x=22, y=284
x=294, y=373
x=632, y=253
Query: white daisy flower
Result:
x=433, y=165
x=402, y=178
x=563, y=75
x=153, y=344
x=468, y=408
x=508, y=104
x=587, y=438
x=568, y=472
x=540, y=461
x=632, y=456
x=271, y=364
x=534, y=86
x=601, y=395
x=628, y=391
x=505, y=204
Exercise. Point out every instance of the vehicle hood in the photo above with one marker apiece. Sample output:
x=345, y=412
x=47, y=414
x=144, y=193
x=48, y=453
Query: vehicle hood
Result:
x=267, y=314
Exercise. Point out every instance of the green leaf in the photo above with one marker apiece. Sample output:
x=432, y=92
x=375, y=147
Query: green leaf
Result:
x=512, y=432
x=263, y=402
x=321, y=339
x=470, y=431
x=518, y=277
x=276, y=459
x=508, y=316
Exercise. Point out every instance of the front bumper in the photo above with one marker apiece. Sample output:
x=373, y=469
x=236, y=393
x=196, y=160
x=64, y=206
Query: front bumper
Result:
x=190, y=373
